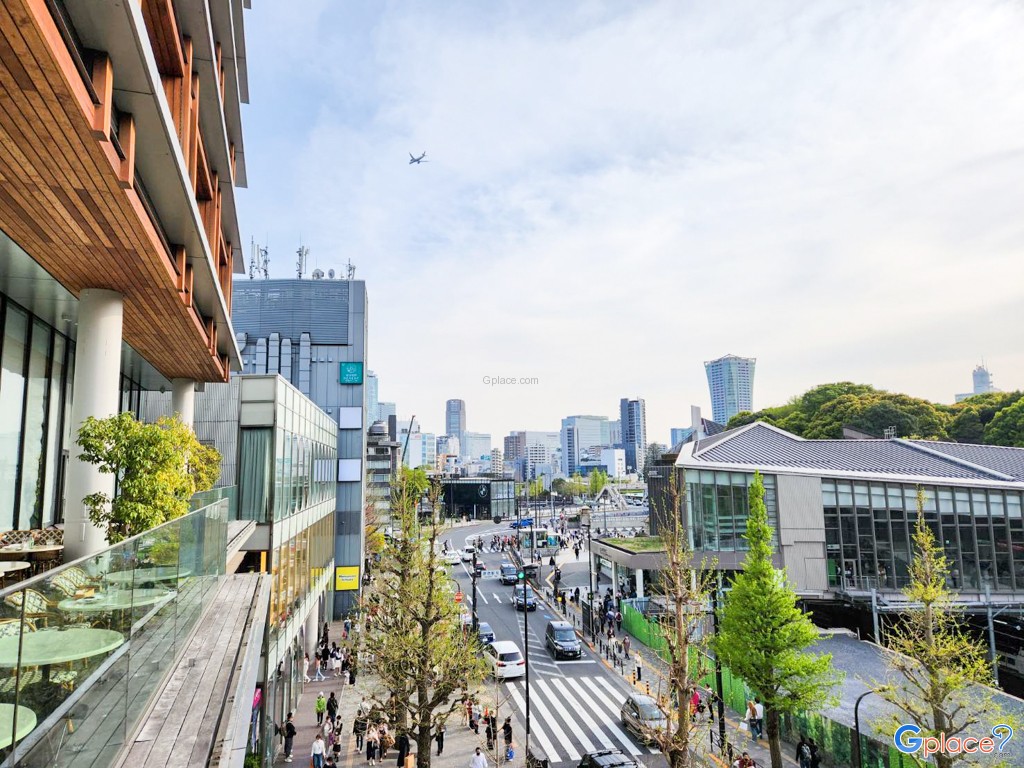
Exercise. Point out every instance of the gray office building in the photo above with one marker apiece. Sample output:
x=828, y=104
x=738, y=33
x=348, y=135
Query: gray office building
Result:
x=455, y=421
x=314, y=334
x=633, y=425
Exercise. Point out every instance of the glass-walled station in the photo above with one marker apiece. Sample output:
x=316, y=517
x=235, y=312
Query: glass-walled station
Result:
x=287, y=476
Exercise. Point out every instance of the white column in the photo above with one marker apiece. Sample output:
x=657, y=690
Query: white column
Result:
x=640, y=582
x=97, y=392
x=312, y=628
x=615, y=577
x=183, y=400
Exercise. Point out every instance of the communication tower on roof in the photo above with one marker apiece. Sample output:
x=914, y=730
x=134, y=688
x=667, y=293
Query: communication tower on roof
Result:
x=300, y=264
x=259, y=261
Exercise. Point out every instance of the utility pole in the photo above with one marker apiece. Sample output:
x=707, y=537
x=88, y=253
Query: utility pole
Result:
x=472, y=577
x=718, y=662
x=991, y=634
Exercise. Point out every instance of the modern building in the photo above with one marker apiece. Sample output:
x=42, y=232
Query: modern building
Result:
x=385, y=410
x=455, y=419
x=372, y=403
x=479, y=498
x=615, y=432
x=419, y=449
x=633, y=421
x=381, y=466
x=982, y=383
x=699, y=428
x=314, y=334
x=476, y=444
x=119, y=238
x=578, y=436
x=615, y=462
x=497, y=462
x=731, y=381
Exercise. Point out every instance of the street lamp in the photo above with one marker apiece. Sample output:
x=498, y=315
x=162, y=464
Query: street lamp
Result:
x=473, y=577
x=856, y=727
x=526, y=653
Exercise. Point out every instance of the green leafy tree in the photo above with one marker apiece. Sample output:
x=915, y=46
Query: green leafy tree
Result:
x=966, y=426
x=1007, y=426
x=685, y=593
x=597, y=479
x=764, y=636
x=941, y=673
x=813, y=400
x=416, y=643
x=653, y=454
x=159, y=468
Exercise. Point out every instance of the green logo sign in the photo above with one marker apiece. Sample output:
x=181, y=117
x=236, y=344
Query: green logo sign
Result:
x=351, y=373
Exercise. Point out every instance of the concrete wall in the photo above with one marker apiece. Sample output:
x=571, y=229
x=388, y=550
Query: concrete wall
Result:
x=802, y=531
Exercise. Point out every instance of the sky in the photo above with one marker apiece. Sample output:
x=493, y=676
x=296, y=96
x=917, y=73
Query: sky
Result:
x=619, y=191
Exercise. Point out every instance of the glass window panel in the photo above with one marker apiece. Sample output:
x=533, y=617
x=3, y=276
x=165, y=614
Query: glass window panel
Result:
x=828, y=493
x=53, y=430
x=34, y=443
x=878, y=496
x=860, y=494
x=12, y=391
x=845, y=493
x=945, y=500
x=894, y=497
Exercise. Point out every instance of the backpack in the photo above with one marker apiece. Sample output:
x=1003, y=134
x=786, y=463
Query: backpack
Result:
x=805, y=752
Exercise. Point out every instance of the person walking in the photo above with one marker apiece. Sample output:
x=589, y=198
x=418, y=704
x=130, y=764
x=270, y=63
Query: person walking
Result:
x=318, y=751
x=439, y=738
x=332, y=707
x=639, y=663
x=305, y=671
x=319, y=662
x=321, y=708
x=372, y=745
x=759, y=716
x=479, y=759
x=491, y=730
x=359, y=729
x=618, y=620
x=803, y=752
x=289, y=738
x=402, y=745
x=346, y=628
x=506, y=731
x=815, y=756
x=625, y=646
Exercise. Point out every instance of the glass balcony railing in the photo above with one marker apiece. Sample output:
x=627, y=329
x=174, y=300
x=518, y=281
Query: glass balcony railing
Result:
x=85, y=647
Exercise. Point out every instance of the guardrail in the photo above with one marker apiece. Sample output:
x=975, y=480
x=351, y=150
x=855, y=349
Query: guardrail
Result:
x=84, y=647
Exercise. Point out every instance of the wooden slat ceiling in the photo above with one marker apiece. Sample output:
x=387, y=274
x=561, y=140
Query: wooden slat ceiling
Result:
x=60, y=200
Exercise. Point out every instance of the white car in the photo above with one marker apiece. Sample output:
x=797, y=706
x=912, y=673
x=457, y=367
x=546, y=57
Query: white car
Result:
x=467, y=554
x=451, y=557
x=505, y=659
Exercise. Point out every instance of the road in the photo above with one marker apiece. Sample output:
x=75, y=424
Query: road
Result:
x=574, y=705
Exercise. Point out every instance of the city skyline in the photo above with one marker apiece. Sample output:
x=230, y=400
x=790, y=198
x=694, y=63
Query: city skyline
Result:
x=534, y=229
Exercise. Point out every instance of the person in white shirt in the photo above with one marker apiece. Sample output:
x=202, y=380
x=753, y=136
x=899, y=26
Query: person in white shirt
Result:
x=318, y=751
x=479, y=760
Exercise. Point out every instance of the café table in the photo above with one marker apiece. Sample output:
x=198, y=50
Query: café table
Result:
x=103, y=602
x=26, y=722
x=46, y=647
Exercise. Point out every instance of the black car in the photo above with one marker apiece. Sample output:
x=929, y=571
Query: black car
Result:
x=524, y=599
x=608, y=758
x=560, y=639
x=509, y=574
x=485, y=633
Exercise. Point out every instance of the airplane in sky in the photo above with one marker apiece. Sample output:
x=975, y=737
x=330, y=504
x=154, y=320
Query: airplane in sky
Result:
x=417, y=160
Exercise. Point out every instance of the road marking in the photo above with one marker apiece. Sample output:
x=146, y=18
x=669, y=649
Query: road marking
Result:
x=612, y=726
x=580, y=661
x=581, y=712
x=580, y=734
x=495, y=596
x=542, y=737
x=481, y=596
x=550, y=722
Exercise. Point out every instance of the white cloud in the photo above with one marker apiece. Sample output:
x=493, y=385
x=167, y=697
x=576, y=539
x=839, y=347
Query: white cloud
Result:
x=617, y=192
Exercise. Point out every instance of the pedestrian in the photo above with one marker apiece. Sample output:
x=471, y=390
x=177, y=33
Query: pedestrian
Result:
x=468, y=713
x=318, y=752
x=359, y=730
x=352, y=671
x=815, y=757
x=639, y=662
x=479, y=760
x=439, y=738
x=336, y=660
x=346, y=628
x=751, y=718
x=305, y=671
x=386, y=741
x=744, y=761
x=491, y=729
x=759, y=716
x=327, y=630
x=289, y=738
x=321, y=708
x=506, y=731
x=477, y=714
x=336, y=749
x=328, y=731
x=803, y=752
x=402, y=745
x=318, y=662
x=332, y=706
x=372, y=745
x=618, y=620
x=625, y=646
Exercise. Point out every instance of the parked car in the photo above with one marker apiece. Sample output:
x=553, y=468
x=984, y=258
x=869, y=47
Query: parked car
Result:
x=485, y=632
x=509, y=574
x=524, y=598
x=451, y=556
x=608, y=758
x=467, y=554
x=505, y=659
x=641, y=714
x=560, y=639
x=526, y=522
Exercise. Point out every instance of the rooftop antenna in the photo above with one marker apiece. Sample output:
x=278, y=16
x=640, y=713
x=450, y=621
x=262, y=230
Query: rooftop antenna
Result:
x=259, y=261
x=351, y=269
x=300, y=265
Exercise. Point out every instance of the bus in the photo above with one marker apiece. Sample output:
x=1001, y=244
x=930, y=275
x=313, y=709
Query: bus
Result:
x=542, y=540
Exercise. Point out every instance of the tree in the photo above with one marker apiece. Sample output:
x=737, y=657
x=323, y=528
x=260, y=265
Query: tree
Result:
x=941, y=673
x=425, y=663
x=1007, y=426
x=686, y=595
x=597, y=480
x=653, y=454
x=763, y=635
x=159, y=468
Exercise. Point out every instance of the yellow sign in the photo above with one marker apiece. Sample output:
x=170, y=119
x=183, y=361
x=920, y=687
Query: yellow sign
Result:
x=346, y=577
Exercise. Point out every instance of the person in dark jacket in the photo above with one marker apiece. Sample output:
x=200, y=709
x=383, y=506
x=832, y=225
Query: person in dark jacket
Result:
x=439, y=738
x=289, y=738
x=402, y=745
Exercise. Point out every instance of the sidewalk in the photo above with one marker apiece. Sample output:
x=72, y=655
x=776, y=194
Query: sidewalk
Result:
x=655, y=670
x=459, y=744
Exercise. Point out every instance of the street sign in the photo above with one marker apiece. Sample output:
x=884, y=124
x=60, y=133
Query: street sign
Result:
x=458, y=597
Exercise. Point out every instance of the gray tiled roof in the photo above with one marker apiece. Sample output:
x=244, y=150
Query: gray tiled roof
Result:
x=762, y=445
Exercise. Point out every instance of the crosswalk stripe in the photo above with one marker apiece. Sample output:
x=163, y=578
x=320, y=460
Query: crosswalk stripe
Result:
x=545, y=742
x=619, y=734
x=582, y=714
x=550, y=723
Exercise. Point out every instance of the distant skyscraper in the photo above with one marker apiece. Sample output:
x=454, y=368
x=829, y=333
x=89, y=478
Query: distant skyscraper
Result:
x=372, y=406
x=633, y=423
x=679, y=434
x=475, y=444
x=384, y=410
x=455, y=421
x=982, y=383
x=579, y=435
x=731, y=381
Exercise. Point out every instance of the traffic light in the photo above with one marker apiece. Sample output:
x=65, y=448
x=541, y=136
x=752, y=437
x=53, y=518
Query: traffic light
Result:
x=521, y=575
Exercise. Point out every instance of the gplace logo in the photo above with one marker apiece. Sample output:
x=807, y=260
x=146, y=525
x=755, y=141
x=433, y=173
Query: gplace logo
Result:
x=908, y=740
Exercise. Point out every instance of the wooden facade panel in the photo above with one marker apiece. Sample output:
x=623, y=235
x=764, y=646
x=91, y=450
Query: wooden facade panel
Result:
x=65, y=204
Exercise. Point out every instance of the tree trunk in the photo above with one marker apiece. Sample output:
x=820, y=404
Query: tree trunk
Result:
x=774, y=737
x=424, y=735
